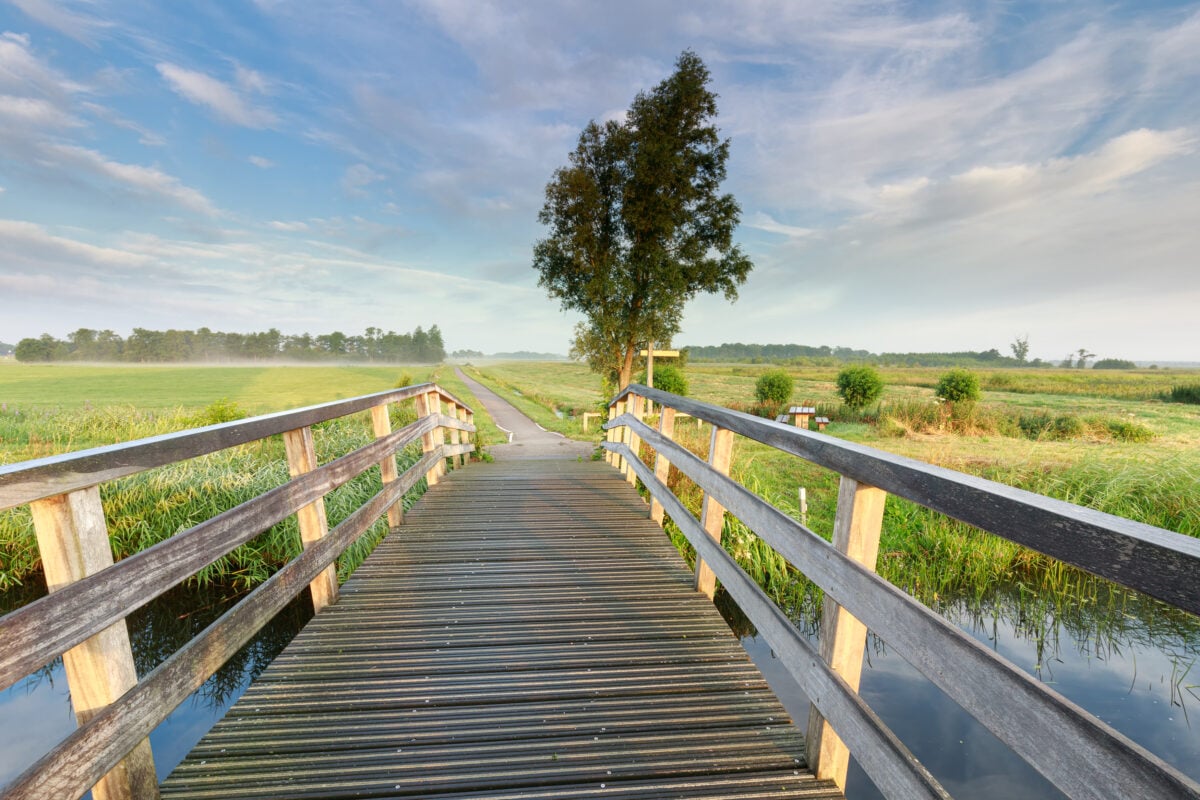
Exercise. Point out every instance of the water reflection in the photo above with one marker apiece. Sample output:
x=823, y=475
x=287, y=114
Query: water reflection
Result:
x=1129, y=660
x=35, y=714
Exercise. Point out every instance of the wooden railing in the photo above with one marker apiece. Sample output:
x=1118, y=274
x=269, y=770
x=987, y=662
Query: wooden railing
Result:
x=1074, y=750
x=83, y=617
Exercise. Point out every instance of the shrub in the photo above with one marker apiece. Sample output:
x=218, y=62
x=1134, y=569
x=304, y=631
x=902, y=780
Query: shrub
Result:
x=668, y=378
x=1188, y=393
x=1041, y=425
x=1114, y=363
x=859, y=386
x=774, y=387
x=223, y=410
x=1125, y=431
x=958, y=386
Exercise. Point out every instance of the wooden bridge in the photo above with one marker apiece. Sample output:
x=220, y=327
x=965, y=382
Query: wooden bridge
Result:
x=527, y=630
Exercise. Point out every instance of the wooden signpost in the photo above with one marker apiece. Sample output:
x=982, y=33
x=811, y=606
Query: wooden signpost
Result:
x=649, y=355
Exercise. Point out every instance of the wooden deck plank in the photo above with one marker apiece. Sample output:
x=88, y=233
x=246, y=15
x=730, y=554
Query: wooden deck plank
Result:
x=528, y=633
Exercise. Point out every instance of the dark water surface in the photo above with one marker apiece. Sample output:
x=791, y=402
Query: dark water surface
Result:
x=1131, y=662
x=36, y=714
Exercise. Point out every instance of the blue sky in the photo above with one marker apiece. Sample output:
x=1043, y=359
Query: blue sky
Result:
x=912, y=176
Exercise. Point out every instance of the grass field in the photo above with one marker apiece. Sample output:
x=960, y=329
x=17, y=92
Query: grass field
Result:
x=45, y=410
x=1155, y=481
x=57, y=408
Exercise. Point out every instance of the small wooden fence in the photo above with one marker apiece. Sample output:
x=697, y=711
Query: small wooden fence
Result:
x=1074, y=750
x=82, y=618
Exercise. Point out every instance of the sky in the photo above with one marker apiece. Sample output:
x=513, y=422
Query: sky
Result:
x=912, y=176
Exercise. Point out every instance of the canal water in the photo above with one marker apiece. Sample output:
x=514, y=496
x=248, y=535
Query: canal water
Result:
x=36, y=714
x=1128, y=660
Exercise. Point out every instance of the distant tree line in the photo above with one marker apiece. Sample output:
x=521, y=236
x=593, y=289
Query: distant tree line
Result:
x=824, y=355
x=6, y=349
x=150, y=346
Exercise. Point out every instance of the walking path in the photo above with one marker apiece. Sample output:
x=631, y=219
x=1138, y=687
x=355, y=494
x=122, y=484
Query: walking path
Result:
x=527, y=439
x=527, y=634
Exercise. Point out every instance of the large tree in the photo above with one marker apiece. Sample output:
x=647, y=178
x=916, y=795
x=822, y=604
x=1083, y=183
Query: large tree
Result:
x=637, y=224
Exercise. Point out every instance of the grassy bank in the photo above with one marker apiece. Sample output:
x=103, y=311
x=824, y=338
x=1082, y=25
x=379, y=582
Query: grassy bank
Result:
x=1152, y=478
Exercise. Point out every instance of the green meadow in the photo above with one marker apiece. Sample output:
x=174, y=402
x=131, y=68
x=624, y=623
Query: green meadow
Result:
x=51, y=409
x=1123, y=450
x=1126, y=451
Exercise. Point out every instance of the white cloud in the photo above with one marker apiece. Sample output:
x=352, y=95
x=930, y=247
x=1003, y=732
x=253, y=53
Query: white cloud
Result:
x=144, y=181
x=357, y=178
x=986, y=189
x=145, y=136
x=34, y=112
x=28, y=241
x=261, y=162
x=218, y=97
x=22, y=71
x=78, y=26
x=764, y=222
x=289, y=227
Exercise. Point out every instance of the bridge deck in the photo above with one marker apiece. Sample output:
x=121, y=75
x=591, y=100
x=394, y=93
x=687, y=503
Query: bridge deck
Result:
x=528, y=633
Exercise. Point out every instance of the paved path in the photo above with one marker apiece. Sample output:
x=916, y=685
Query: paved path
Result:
x=527, y=439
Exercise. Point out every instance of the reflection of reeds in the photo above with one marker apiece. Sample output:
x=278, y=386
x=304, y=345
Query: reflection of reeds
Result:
x=158, y=629
x=977, y=580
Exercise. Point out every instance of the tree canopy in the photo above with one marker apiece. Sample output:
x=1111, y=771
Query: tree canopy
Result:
x=637, y=224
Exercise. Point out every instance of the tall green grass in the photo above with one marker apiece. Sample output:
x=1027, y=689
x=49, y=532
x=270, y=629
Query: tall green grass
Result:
x=147, y=508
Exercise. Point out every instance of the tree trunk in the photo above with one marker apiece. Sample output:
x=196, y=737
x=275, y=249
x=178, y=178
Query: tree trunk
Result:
x=627, y=366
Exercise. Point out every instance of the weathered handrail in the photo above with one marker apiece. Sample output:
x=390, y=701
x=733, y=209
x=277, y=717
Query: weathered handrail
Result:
x=1074, y=750
x=85, y=608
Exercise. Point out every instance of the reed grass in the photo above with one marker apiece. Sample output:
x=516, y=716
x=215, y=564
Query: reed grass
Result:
x=149, y=507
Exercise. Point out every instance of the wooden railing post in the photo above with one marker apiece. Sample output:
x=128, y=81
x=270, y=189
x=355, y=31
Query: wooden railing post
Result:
x=465, y=438
x=637, y=405
x=314, y=525
x=615, y=410
x=712, y=515
x=662, y=467
x=455, y=438
x=381, y=422
x=856, y=530
x=424, y=409
x=73, y=540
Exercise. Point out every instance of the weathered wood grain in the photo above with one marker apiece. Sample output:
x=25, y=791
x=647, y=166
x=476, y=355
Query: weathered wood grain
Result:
x=856, y=530
x=1157, y=562
x=381, y=425
x=27, y=481
x=83, y=757
x=73, y=540
x=491, y=649
x=1059, y=739
x=885, y=759
x=37, y=633
x=662, y=467
x=712, y=513
x=311, y=518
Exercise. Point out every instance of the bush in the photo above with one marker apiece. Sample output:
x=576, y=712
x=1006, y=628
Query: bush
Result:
x=1114, y=363
x=859, y=386
x=1188, y=393
x=774, y=387
x=1125, y=431
x=223, y=410
x=668, y=378
x=958, y=386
